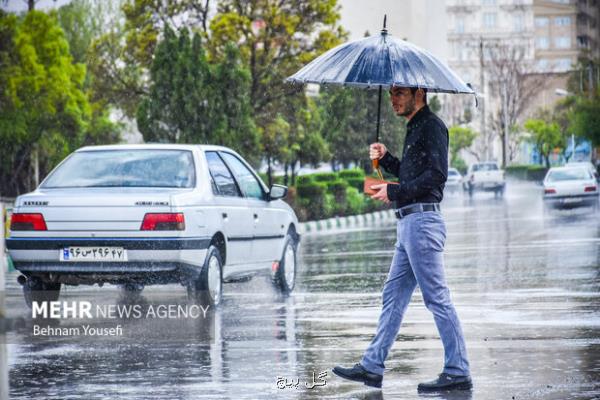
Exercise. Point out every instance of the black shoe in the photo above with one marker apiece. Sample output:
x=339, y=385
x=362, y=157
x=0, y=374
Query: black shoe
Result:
x=446, y=382
x=359, y=374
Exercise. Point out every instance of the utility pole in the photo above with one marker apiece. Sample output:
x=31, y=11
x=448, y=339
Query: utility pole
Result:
x=505, y=119
x=482, y=99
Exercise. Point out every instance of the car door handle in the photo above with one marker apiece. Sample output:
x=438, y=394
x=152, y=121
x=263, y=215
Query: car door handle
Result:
x=224, y=215
x=255, y=216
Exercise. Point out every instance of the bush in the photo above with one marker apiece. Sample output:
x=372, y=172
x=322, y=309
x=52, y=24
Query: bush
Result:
x=304, y=179
x=352, y=173
x=325, y=177
x=357, y=183
x=460, y=165
x=312, y=197
x=527, y=172
x=355, y=201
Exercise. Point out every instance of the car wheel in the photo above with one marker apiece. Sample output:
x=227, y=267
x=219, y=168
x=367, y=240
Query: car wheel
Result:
x=208, y=288
x=35, y=290
x=285, y=277
x=131, y=290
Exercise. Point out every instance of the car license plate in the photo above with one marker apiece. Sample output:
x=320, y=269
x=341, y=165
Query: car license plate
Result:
x=93, y=254
x=574, y=200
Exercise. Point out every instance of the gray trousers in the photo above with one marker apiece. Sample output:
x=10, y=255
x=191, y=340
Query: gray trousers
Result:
x=418, y=259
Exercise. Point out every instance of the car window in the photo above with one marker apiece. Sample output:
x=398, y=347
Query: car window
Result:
x=245, y=178
x=223, y=182
x=485, y=167
x=568, y=175
x=125, y=168
x=452, y=173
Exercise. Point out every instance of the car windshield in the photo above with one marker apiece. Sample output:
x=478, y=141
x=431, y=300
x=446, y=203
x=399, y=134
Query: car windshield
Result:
x=125, y=168
x=568, y=175
x=452, y=173
x=485, y=167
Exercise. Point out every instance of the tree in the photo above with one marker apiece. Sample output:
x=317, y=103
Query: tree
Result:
x=545, y=136
x=585, y=118
x=192, y=101
x=460, y=137
x=275, y=39
x=349, y=124
x=45, y=110
x=513, y=85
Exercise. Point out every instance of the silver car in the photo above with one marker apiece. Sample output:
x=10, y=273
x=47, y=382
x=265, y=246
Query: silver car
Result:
x=570, y=186
x=152, y=214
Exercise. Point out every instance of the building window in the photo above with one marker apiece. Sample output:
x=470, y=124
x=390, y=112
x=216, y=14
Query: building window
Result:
x=541, y=21
x=489, y=20
x=562, y=21
x=518, y=23
x=562, y=64
x=542, y=42
x=542, y=64
x=460, y=25
x=562, y=42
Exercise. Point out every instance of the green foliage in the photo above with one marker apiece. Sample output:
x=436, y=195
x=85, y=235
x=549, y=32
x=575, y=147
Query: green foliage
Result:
x=352, y=173
x=304, y=179
x=434, y=104
x=192, y=101
x=527, y=172
x=325, y=177
x=585, y=118
x=460, y=164
x=546, y=136
x=355, y=201
x=357, y=183
x=349, y=123
x=460, y=137
x=44, y=109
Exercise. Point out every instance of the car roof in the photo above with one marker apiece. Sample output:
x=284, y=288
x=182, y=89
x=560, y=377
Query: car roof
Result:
x=566, y=167
x=153, y=146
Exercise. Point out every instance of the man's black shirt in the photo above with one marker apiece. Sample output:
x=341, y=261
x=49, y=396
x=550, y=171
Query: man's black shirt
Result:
x=423, y=170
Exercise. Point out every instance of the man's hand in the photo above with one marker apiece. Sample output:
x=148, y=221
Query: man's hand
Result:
x=377, y=151
x=382, y=192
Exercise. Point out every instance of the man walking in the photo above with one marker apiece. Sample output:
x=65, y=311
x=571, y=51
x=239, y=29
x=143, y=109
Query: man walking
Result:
x=421, y=235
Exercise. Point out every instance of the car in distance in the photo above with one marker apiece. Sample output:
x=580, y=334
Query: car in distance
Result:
x=586, y=164
x=484, y=176
x=135, y=215
x=570, y=186
x=454, y=180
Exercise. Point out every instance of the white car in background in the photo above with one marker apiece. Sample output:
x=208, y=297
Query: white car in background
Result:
x=152, y=214
x=570, y=186
x=454, y=181
x=585, y=164
x=485, y=176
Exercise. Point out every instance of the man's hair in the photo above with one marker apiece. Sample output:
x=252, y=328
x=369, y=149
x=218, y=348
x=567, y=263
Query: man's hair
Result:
x=413, y=90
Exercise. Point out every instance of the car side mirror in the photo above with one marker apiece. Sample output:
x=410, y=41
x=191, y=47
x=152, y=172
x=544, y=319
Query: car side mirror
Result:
x=277, y=192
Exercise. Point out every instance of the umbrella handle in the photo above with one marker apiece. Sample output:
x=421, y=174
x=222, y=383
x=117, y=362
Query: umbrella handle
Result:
x=376, y=168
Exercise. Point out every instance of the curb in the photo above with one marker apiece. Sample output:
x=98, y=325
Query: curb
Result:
x=351, y=221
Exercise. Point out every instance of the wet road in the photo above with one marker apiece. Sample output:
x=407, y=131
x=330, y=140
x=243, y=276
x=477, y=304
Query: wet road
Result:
x=525, y=285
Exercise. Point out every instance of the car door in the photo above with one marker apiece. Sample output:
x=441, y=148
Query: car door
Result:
x=237, y=220
x=267, y=219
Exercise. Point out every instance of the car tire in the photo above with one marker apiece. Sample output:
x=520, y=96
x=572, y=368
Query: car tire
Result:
x=131, y=291
x=285, y=276
x=207, y=289
x=40, y=291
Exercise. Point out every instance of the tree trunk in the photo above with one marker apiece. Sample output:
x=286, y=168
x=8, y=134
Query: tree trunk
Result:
x=285, y=176
x=293, y=165
x=30, y=5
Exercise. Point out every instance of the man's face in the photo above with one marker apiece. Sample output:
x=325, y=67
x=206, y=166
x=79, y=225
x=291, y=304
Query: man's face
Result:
x=403, y=101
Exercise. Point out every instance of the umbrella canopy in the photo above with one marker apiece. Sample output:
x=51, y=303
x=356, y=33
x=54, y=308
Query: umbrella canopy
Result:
x=381, y=60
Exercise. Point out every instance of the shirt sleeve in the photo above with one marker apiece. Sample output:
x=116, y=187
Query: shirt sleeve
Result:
x=436, y=172
x=390, y=163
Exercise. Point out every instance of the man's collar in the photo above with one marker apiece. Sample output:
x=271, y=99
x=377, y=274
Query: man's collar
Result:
x=419, y=116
